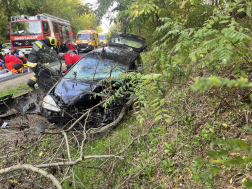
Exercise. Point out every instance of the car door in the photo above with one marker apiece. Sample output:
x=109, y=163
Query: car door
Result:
x=49, y=69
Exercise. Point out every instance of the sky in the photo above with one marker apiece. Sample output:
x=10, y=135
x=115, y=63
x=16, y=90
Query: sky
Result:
x=105, y=23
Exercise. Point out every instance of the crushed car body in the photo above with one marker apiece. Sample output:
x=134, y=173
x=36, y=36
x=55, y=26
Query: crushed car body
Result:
x=69, y=96
x=74, y=93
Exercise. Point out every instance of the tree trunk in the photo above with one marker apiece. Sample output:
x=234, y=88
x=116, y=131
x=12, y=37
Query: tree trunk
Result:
x=157, y=17
x=153, y=21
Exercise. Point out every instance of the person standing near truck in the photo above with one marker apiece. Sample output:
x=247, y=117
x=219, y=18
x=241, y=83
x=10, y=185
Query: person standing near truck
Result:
x=34, y=57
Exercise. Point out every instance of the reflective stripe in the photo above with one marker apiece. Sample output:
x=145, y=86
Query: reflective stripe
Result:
x=30, y=64
x=25, y=66
x=34, y=79
x=39, y=44
x=14, y=71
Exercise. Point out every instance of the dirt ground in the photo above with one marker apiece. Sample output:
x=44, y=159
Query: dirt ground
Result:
x=15, y=82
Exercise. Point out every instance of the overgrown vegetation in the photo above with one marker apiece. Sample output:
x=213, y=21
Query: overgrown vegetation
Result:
x=212, y=55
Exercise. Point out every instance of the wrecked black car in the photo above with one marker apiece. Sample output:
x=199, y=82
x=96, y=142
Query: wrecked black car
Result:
x=76, y=92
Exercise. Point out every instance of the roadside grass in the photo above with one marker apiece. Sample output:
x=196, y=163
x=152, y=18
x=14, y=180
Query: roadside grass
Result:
x=109, y=144
x=151, y=158
x=17, y=91
x=165, y=156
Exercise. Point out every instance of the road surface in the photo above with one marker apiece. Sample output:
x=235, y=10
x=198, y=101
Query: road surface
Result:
x=15, y=80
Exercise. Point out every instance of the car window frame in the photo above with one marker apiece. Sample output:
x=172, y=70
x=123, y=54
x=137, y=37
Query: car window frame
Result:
x=85, y=57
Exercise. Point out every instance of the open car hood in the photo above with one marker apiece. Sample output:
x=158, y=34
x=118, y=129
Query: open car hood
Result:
x=127, y=40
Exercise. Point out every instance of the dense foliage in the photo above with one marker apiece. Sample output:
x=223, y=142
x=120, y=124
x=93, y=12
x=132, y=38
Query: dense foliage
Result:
x=196, y=46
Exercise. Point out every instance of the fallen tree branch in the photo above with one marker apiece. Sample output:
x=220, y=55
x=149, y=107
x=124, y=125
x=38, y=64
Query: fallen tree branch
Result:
x=34, y=169
x=77, y=161
x=77, y=121
x=114, y=123
x=69, y=156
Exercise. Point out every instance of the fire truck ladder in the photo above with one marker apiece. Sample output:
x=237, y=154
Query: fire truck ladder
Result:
x=54, y=18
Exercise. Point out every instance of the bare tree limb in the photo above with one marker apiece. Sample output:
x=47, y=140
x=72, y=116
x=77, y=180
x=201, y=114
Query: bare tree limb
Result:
x=34, y=169
x=77, y=161
x=78, y=120
x=113, y=124
x=69, y=156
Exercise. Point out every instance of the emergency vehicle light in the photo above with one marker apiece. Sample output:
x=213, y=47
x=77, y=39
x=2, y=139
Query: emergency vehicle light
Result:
x=38, y=17
x=13, y=18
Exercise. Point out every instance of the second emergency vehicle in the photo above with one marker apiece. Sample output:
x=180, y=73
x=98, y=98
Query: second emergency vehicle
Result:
x=25, y=30
x=103, y=39
x=87, y=40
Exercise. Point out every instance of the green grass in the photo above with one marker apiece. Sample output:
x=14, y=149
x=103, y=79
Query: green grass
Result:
x=19, y=90
x=111, y=144
x=139, y=155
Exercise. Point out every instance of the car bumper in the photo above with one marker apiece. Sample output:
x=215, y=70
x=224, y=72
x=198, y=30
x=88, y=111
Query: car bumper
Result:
x=87, y=48
x=102, y=44
x=55, y=117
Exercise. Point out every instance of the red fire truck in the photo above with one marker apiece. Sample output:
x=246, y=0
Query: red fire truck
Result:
x=25, y=30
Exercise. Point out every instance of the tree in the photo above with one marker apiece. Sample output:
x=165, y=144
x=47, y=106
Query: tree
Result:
x=79, y=15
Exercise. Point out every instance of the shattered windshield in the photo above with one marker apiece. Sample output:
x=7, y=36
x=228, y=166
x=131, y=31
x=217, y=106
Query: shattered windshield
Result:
x=95, y=69
x=26, y=28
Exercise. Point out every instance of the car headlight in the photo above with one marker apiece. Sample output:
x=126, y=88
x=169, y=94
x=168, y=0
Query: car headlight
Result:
x=50, y=104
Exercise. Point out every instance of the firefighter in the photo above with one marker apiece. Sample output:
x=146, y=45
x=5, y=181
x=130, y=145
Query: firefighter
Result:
x=70, y=59
x=34, y=56
x=13, y=63
x=20, y=55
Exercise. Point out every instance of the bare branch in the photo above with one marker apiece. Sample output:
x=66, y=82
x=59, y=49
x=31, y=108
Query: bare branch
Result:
x=78, y=120
x=34, y=169
x=77, y=161
x=113, y=124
